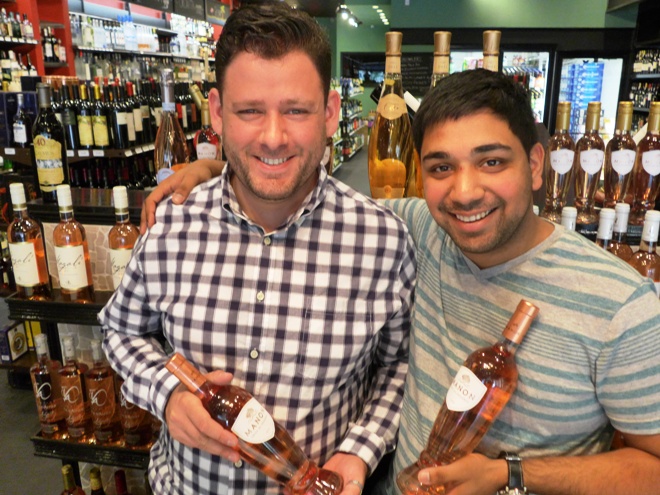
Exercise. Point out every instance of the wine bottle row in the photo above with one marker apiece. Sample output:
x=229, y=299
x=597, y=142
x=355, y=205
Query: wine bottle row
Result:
x=85, y=404
x=54, y=50
x=628, y=168
x=96, y=487
x=12, y=27
x=14, y=66
x=647, y=61
x=643, y=93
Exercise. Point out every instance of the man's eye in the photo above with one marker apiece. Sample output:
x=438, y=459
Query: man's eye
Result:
x=493, y=162
x=297, y=111
x=440, y=169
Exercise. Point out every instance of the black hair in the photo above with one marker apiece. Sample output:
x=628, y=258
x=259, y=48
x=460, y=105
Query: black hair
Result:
x=466, y=93
x=271, y=30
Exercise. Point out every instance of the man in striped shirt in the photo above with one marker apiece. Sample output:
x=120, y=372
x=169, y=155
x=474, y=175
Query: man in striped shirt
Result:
x=591, y=359
x=288, y=279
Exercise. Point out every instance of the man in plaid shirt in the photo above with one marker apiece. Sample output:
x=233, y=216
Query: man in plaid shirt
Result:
x=294, y=283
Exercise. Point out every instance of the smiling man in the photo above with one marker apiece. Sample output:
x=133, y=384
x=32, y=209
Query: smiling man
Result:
x=291, y=281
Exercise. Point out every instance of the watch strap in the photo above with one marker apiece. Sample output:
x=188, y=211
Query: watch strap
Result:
x=516, y=483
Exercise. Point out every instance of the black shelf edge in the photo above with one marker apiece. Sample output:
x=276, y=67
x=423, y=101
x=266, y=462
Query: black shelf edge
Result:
x=640, y=76
x=641, y=109
x=24, y=362
x=57, y=310
x=96, y=454
x=17, y=155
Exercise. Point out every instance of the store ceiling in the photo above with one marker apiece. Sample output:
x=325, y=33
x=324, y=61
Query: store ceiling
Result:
x=363, y=9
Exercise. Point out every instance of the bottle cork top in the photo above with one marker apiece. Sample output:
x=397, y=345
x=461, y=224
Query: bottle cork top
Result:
x=442, y=42
x=393, y=41
x=17, y=193
x=520, y=321
x=492, y=42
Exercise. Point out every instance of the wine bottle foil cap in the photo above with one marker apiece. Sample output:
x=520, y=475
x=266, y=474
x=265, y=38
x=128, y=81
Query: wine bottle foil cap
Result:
x=120, y=198
x=622, y=207
x=64, y=197
x=393, y=41
x=492, y=42
x=17, y=193
x=569, y=212
x=624, y=117
x=43, y=95
x=520, y=322
x=607, y=214
x=654, y=117
x=442, y=42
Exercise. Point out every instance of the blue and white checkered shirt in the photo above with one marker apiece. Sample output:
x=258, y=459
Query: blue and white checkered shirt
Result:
x=312, y=319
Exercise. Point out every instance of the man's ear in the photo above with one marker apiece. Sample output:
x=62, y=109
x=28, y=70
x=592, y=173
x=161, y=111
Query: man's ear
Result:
x=332, y=113
x=536, y=162
x=215, y=108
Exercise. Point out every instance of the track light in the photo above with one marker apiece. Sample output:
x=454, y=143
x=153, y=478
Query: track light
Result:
x=347, y=15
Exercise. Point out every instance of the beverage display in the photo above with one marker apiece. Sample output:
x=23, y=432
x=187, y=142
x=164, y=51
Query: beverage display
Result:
x=135, y=421
x=49, y=147
x=568, y=217
x=619, y=157
x=85, y=113
x=122, y=235
x=558, y=168
x=47, y=391
x=492, y=50
x=479, y=392
x=646, y=261
x=441, y=49
x=26, y=246
x=619, y=246
x=95, y=482
x=70, y=487
x=646, y=172
x=207, y=141
x=74, y=394
x=588, y=162
x=121, y=488
x=171, y=150
x=100, y=128
x=392, y=158
x=72, y=254
x=103, y=401
x=262, y=442
x=22, y=127
x=605, y=228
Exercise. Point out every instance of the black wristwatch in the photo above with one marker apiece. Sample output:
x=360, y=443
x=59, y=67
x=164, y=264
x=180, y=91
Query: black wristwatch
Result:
x=516, y=484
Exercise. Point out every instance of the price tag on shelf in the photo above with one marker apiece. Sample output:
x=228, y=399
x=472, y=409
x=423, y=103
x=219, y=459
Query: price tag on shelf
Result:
x=10, y=151
x=129, y=153
x=83, y=153
x=98, y=153
x=70, y=153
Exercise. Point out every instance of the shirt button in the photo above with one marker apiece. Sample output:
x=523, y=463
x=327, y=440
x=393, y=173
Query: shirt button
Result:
x=267, y=241
x=260, y=296
x=254, y=353
x=238, y=464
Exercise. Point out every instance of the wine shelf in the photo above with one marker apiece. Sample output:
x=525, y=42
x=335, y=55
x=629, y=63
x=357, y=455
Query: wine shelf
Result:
x=96, y=454
x=57, y=310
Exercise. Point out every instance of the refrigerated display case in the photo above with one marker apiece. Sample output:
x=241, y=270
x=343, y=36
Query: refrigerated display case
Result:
x=530, y=68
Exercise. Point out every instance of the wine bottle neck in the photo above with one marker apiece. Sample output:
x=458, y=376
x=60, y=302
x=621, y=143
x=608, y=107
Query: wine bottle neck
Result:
x=648, y=246
x=66, y=215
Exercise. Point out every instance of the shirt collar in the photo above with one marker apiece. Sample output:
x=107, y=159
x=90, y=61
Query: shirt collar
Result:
x=309, y=204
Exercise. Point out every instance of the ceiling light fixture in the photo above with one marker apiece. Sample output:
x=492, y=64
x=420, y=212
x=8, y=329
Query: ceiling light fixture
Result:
x=347, y=15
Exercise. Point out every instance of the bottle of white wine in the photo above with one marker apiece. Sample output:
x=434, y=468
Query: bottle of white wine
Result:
x=441, y=44
x=171, y=149
x=392, y=158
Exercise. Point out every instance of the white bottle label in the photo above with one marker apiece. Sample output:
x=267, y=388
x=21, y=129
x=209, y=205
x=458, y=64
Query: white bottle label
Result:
x=207, y=150
x=20, y=135
x=121, y=118
x=24, y=260
x=137, y=118
x=561, y=161
x=623, y=161
x=71, y=267
x=591, y=161
x=119, y=259
x=465, y=391
x=651, y=162
x=254, y=424
x=392, y=106
x=130, y=123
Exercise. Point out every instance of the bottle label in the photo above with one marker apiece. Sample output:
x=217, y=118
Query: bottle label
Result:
x=137, y=119
x=68, y=117
x=85, y=130
x=48, y=155
x=623, y=161
x=254, y=424
x=465, y=392
x=144, y=109
x=591, y=161
x=24, y=260
x=651, y=162
x=121, y=118
x=73, y=395
x=71, y=267
x=119, y=259
x=207, y=150
x=158, y=115
x=102, y=401
x=491, y=62
x=100, y=129
x=20, y=134
x=561, y=161
x=130, y=123
x=49, y=402
x=392, y=106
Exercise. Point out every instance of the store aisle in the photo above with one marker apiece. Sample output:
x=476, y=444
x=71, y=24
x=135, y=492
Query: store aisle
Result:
x=355, y=172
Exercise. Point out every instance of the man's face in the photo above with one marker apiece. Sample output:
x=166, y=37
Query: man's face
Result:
x=478, y=184
x=274, y=125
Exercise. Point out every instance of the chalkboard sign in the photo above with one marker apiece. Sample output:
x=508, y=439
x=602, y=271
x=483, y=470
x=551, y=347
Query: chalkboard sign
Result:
x=190, y=8
x=217, y=12
x=416, y=69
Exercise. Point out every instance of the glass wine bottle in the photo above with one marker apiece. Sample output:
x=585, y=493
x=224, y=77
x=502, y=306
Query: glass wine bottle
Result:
x=646, y=172
x=85, y=113
x=392, y=159
x=267, y=446
x=619, y=157
x=135, y=421
x=104, y=406
x=74, y=394
x=100, y=121
x=70, y=487
x=26, y=246
x=482, y=387
x=619, y=246
x=646, y=261
x=441, y=48
x=22, y=126
x=122, y=235
x=568, y=217
x=69, y=116
x=171, y=149
x=73, y=262
x=48, y=391
x=95, y=481
x=492, y=50
x=49, y=147
x=558, y=168
x=207, y=141
x=605, y=228
x=588, y=162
